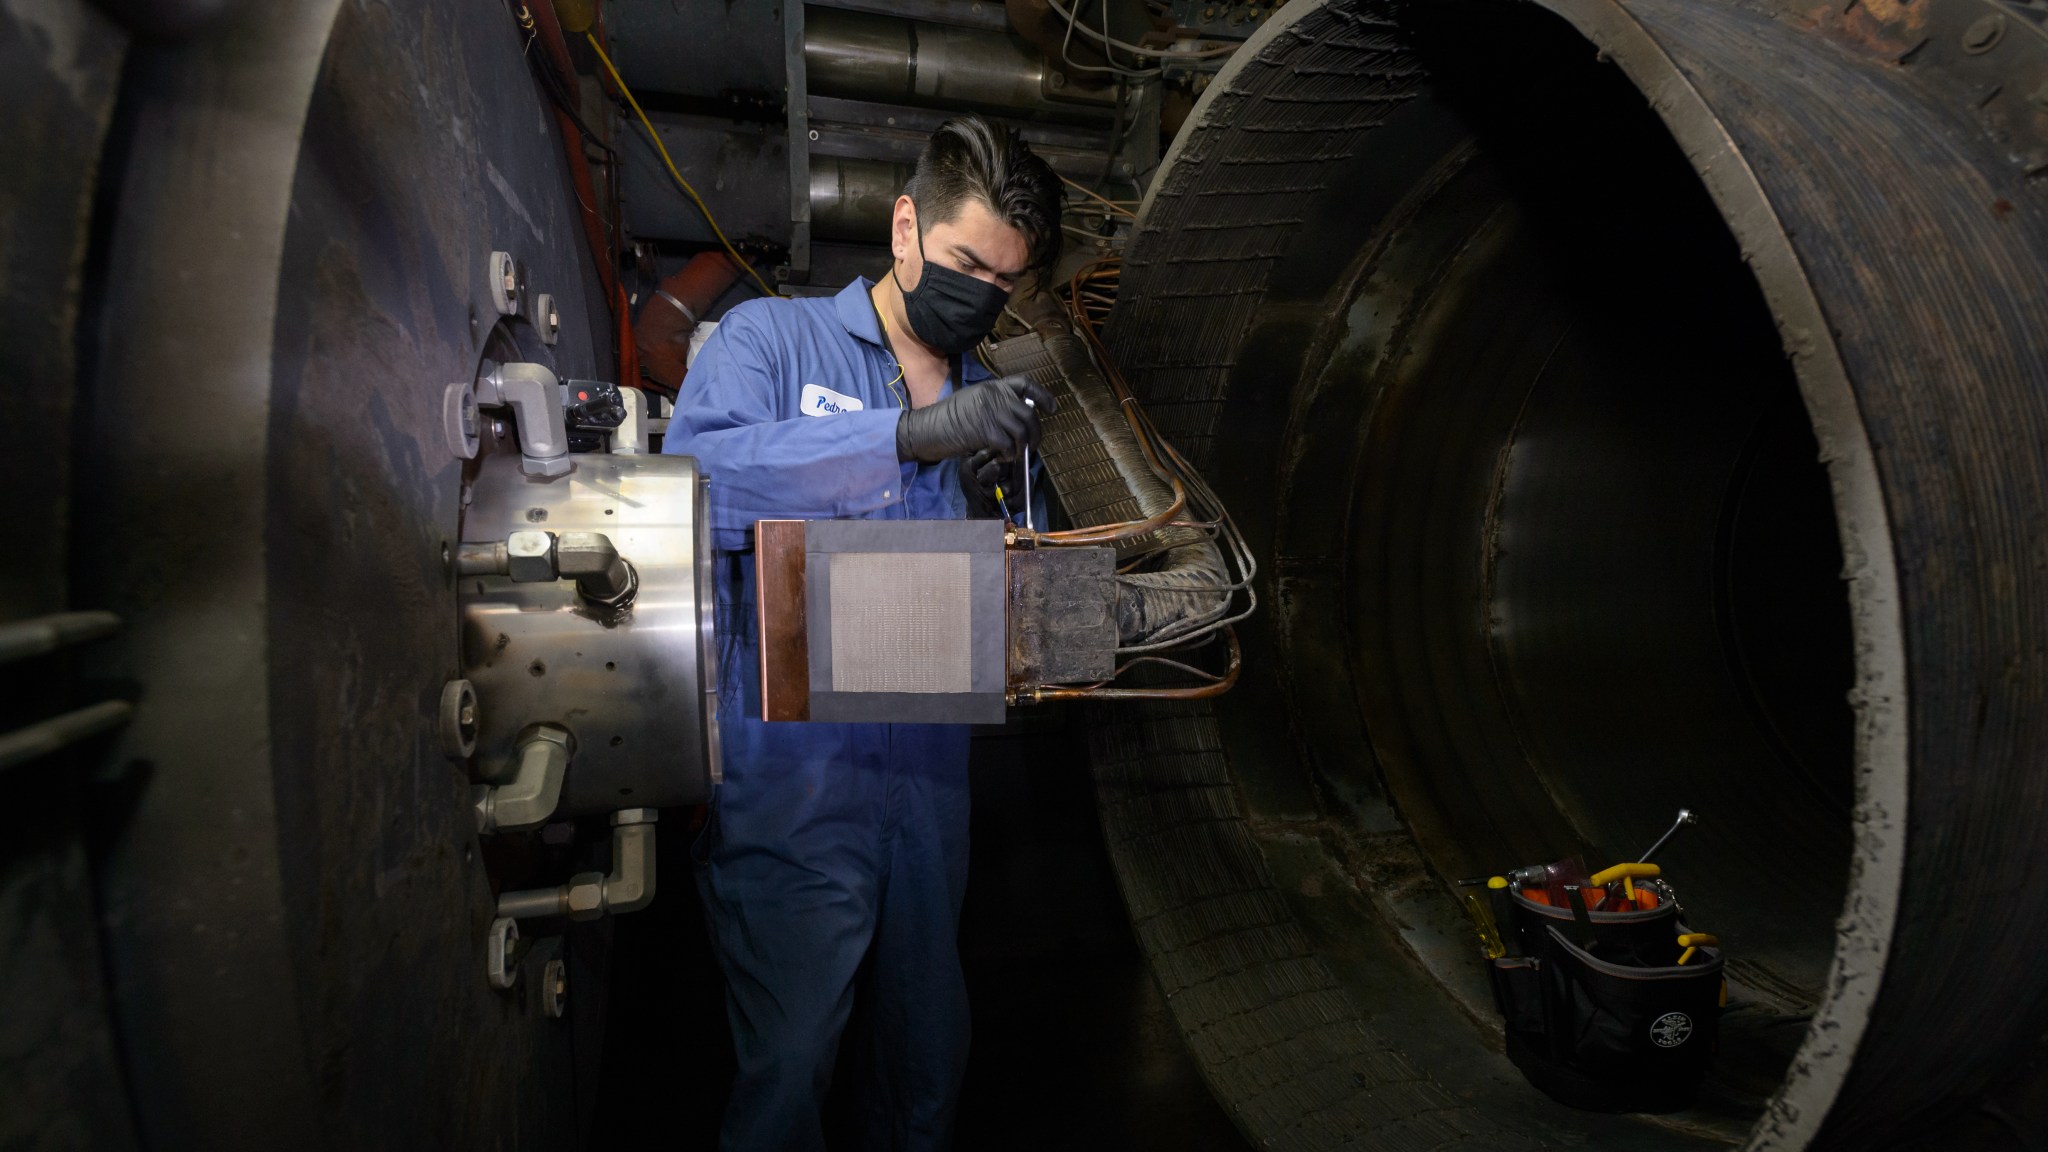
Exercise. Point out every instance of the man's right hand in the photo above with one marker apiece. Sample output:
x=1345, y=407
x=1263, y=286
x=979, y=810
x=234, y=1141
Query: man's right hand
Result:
x=990, y=415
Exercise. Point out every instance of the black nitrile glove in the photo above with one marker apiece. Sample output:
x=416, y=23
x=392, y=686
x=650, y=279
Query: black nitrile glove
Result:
x=980, y=476
x=991, y=414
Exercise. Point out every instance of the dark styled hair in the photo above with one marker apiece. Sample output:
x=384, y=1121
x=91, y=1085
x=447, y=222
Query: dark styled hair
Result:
x=970, y=158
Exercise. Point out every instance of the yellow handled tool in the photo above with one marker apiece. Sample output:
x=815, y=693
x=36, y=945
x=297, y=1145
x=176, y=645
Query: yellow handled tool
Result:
x=1482, y=920
x=1694, y=941
x=1628, y=874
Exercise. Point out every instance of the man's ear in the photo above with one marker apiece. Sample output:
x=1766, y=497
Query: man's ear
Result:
x=902, y=228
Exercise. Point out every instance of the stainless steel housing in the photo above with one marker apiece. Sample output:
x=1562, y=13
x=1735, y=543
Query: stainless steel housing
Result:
x=638, y=688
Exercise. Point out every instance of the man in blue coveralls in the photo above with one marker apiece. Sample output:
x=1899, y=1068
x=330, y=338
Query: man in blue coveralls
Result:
x=827, y=841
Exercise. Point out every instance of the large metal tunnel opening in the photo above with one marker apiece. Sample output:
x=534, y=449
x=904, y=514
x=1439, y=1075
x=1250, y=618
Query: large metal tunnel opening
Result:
x=1592, y=566
x=1555, y=554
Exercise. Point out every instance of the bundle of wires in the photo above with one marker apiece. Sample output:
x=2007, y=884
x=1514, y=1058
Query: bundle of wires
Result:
x=1186, y=571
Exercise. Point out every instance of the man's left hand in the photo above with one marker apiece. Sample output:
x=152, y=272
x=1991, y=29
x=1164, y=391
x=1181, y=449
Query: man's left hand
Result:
x=981, y=474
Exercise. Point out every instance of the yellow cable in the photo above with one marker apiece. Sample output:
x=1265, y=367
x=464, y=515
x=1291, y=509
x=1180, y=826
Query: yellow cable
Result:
x=655, y=137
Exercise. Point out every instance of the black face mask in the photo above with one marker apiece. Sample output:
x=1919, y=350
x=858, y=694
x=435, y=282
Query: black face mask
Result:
x=950, y=311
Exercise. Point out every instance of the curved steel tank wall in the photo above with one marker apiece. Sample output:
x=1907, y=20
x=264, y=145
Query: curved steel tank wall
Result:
x=1363, y=309
x=305, y=204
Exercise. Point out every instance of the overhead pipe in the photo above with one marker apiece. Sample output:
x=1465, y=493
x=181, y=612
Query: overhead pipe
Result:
x=891, y=60
x=672, y=313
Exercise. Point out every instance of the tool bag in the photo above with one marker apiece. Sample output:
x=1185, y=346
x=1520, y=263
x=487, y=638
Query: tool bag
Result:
x=1622, y=1027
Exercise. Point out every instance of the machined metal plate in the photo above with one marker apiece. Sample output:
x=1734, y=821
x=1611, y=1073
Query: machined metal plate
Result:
x=638, y=691
x=882, y=621
x=905, y=620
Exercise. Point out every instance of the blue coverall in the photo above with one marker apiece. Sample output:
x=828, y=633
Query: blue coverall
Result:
x=825, y=839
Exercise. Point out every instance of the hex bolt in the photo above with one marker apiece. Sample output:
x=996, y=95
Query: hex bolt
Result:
x=504, y=277
x=1983, y=34
x=531, y=556
x=501, y=966
x=554, y=989
x=458, y=719
x=585, y=900
x=547, y=317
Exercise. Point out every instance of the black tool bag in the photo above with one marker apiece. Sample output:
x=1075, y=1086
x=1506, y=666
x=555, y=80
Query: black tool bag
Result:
x=1620, y=1028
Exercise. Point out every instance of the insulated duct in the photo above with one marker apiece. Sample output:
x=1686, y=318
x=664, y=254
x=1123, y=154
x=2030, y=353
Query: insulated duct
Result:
x=1634, y=407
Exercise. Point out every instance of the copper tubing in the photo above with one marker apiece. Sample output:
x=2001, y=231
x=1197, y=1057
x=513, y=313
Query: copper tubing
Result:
x=1110, y=534
x=1200, y=692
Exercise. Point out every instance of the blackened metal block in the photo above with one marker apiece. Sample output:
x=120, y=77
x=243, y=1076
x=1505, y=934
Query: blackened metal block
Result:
x=1062, y=615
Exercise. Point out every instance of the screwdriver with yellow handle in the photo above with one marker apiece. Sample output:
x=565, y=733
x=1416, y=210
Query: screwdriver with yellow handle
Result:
x=1028, y=403
x=1628, y=874
x=1692, y=942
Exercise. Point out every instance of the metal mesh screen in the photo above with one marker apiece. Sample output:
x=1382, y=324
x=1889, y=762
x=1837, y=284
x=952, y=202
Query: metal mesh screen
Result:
x=901, y=622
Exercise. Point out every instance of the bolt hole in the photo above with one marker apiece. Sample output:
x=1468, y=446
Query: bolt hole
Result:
x=618, y=740
x=608, y=511
x=611, y=666
x=536, y=515
x=537, y=668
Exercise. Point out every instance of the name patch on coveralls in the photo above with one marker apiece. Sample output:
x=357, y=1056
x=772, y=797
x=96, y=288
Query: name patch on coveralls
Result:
x=818, y=400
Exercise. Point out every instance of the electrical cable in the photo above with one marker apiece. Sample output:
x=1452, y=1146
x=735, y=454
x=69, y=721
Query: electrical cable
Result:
x=1114, y=69
x=655, y=138
x=1105, y=38
x=1190, y=669
x=1106, y=202
x=1080, y=233
x=1044, y=693
x=1204, y=513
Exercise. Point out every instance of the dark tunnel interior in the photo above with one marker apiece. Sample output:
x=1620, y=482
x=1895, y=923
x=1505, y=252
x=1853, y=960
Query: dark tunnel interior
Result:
x=1594, y=569
x=1550, y=516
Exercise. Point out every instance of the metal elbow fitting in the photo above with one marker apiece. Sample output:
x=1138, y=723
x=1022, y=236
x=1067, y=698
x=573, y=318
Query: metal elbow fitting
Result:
x=629, y=886
x=530, y=797
x=602, y=576
x=530, y=556
x=535, y=397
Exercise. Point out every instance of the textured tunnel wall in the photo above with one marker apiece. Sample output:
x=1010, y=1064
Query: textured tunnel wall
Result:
x=1281, y=1042
x=1921, y=236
